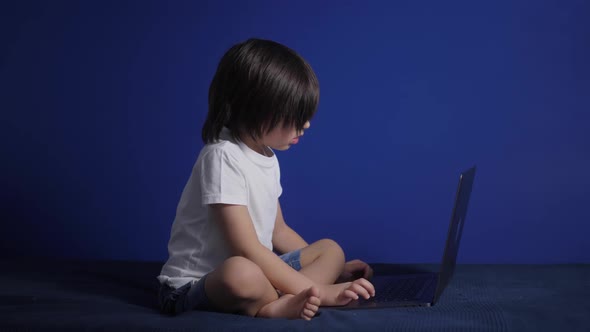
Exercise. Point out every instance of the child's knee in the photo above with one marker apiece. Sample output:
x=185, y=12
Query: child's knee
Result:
x=244, y=279
x=332, y=247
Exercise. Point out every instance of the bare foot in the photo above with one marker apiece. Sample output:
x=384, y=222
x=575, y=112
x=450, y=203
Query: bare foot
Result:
x=303, y=305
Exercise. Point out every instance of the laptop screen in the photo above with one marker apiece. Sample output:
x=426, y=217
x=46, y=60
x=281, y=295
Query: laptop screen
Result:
x=449, y=259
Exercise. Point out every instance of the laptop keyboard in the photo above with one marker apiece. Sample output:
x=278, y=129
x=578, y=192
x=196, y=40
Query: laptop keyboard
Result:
x=406, y=289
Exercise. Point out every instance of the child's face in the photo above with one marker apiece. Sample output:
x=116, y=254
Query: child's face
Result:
x=282, y=138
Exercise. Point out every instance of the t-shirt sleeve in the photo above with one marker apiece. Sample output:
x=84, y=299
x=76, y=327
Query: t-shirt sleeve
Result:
x=222, y=180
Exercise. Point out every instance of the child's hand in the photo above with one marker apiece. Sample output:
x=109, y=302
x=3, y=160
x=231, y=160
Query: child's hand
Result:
x=343, y=293
x=355, y=269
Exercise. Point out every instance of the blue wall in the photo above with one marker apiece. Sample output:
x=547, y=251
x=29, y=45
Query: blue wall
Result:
x=102, y=105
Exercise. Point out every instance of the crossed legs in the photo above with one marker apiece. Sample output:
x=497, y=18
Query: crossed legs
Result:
x=322, y=261
x=240, y=286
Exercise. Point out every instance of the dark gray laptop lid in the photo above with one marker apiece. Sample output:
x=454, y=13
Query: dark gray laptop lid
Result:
x=449, y=258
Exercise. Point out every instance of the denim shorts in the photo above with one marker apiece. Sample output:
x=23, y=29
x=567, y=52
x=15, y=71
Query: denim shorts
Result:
x=192, y=296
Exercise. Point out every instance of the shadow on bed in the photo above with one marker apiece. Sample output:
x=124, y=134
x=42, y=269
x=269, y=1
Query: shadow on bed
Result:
x=130, y=283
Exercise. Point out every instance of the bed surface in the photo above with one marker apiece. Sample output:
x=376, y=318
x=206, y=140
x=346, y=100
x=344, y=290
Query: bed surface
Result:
x=63, y=295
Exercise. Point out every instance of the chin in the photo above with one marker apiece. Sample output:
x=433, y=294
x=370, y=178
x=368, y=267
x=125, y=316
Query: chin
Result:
x=282, y=148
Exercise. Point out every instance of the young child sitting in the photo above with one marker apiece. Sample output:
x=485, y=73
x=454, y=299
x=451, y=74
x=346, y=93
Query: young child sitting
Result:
x=229, y=221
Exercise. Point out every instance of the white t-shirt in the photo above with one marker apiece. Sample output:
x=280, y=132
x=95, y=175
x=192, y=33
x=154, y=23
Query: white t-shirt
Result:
x=225, y=172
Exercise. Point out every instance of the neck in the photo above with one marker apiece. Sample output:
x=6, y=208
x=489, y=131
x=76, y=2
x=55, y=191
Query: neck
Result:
x=256, y=146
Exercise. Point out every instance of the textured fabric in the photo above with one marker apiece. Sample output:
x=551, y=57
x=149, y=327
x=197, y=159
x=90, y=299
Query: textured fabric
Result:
x=226, y=172
x=293, y=259
x=72, y=296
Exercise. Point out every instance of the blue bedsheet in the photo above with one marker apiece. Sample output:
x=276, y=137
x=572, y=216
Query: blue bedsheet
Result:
x=42, y=294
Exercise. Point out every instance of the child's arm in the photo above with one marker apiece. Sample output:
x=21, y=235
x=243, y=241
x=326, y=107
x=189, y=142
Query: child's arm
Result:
x=236, y=225
x=284, y=238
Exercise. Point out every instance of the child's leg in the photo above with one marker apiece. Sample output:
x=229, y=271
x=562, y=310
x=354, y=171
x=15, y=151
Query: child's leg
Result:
x=239, y=285
x=322, y=261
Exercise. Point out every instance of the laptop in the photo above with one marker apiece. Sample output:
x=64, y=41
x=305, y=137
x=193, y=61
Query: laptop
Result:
x=423, y=289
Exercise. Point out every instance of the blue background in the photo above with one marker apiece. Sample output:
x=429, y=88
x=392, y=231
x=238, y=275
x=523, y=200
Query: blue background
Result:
x=103, y=101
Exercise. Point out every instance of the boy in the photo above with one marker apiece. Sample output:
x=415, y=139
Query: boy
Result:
x=229, y=219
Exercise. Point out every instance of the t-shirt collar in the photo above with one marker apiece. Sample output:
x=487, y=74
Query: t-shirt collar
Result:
x=251, y=154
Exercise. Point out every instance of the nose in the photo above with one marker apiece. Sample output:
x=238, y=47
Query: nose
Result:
x=305, y=126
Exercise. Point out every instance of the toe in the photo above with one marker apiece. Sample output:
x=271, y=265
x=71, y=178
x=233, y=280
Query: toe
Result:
x=314, y=291
x=311, y=306
x=308, y=313
x=314, y=300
